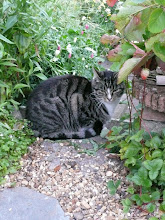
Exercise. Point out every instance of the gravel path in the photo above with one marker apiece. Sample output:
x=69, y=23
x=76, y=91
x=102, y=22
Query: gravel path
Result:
x=78, y=180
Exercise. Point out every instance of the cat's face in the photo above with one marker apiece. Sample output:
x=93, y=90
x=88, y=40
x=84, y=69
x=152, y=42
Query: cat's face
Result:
x=105, y=88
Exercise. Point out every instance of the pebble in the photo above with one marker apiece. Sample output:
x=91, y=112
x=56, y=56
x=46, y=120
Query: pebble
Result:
x=78, y=181
x=78, y=216
x=109, y=173
x=85, y=204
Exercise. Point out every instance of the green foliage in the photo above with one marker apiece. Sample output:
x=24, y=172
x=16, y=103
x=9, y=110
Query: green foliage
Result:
x=141, y=22
x=46, y=38
x=15, y=137
x=112, y=186
x=143, y=154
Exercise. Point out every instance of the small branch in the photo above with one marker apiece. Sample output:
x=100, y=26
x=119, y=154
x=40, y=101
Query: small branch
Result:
x=129, y=106
x=142, y=103
x=141, y=118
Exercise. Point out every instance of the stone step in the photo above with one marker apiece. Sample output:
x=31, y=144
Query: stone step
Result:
x=26, y=204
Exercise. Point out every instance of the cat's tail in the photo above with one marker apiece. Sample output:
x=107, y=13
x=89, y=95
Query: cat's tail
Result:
x=83, y=133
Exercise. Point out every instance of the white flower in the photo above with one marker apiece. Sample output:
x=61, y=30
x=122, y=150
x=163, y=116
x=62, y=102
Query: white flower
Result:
x=69, y=48
x=54, y=59
x=108, y=10
x=54, y=28
x=83, y=18
x=86, y=66
x=57, y=52
x=75, y=39
x=90, y=49
x=83, y=58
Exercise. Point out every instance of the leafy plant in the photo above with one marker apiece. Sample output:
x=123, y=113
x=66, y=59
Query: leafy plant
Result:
x=143, y=154
x=37, y=41
x=141, y=38
x=112, y=186
x=15, y=137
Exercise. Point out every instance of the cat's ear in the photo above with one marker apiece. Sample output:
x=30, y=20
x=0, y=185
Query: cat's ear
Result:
x=96, y=73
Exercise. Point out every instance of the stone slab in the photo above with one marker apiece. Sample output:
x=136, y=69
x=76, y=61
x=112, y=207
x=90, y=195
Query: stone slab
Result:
x=26, y=204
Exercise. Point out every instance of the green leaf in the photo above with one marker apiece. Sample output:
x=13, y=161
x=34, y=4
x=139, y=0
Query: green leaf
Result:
x=127, y=68
x=5, y=39
x=6, y=5
x=1, y=50
x=157, y=38
x=127, y=204
x=155, y=195
x=137, y=199
x=20, y=85
x=150, y=207
x=22, y=42
x=153, y=166
x=10, y=22
x=145, y=198
x=156, y=21
x=17, y=69
x=112, y=186
x=131, y=161
x=163, y=217
x=41, y=76
x=159, y=50
x=130, y=190
x=132, y=150
x=161, y=2
x=138, y=136
x=116, y=130
x=162, y=206
x=127, y=11
x=141, y=178
x=157, y=153
x=162, y=173
x=128, y=49
x=8, y=64
x=153, y=218
x=164, y=194
x=155, y=142
x=163, y=133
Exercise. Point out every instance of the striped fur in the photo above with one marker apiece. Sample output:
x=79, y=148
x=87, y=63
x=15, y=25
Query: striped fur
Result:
x=70, y=106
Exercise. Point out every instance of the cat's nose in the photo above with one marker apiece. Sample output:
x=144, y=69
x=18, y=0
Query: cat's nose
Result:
x=109, y=99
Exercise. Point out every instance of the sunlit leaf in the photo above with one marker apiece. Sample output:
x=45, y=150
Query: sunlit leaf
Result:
x=156, y=21
x=11, y=21
x=157, y=38
x=41, y=76
x=1, y=50
x=5, y=39
x=127, y=68
x=159, y=50
x=161, y=2
x=20, y=85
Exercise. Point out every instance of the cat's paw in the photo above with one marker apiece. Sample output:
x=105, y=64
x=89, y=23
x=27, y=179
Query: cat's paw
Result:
x=104, y=132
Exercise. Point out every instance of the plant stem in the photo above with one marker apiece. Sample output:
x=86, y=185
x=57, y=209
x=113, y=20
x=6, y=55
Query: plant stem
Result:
x=147, y=130
x=142, y=104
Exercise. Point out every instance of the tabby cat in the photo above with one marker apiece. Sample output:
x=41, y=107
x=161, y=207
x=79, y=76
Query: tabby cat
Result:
x=72, y=106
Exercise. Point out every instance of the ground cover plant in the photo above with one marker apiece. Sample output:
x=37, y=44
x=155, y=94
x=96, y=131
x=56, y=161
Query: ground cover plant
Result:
x=139, y=48
x=14, y=139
